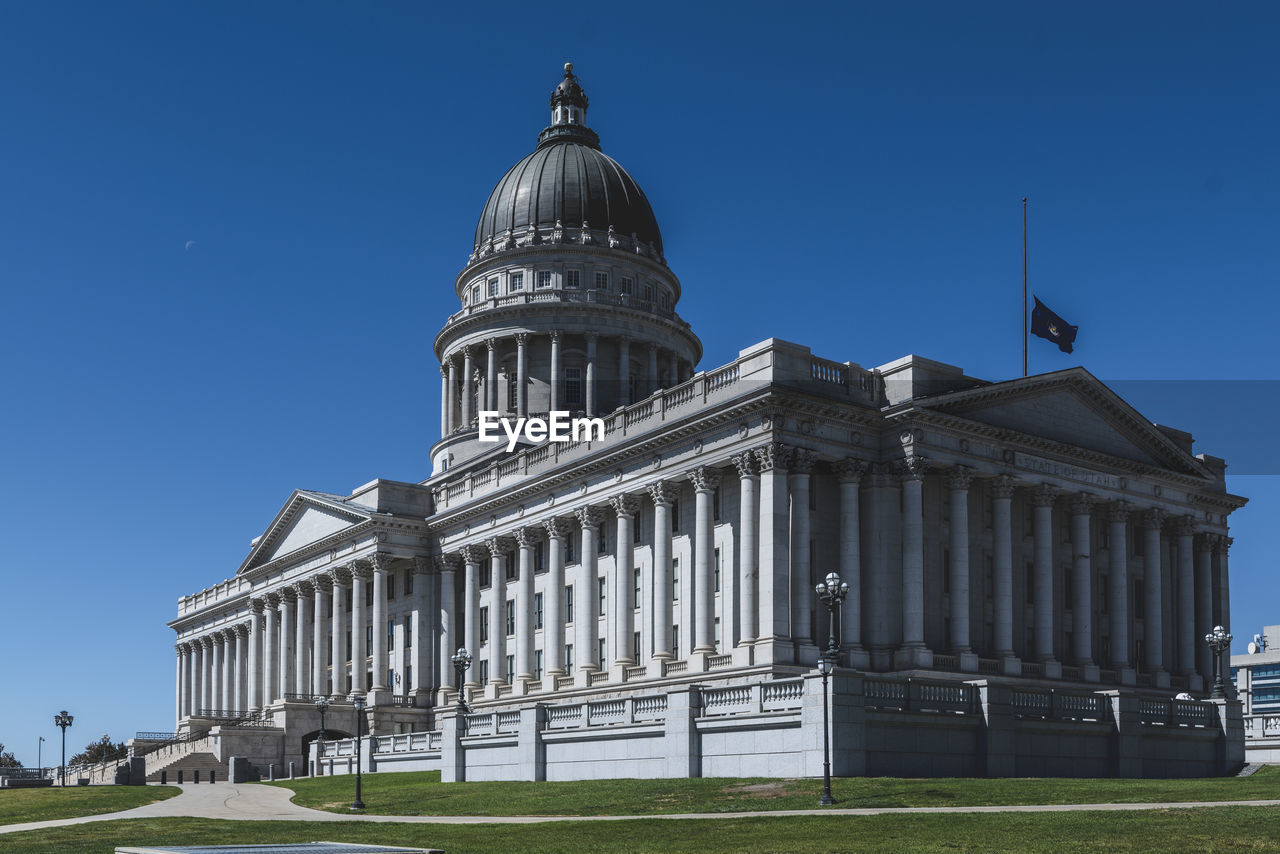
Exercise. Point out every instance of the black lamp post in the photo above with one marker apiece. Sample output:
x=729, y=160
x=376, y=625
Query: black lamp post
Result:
x=40, y=755
x=461, y=661
x=322, y=706
x=1219, y=640
x=63, y=720
x=358, y=701
x=831, y=591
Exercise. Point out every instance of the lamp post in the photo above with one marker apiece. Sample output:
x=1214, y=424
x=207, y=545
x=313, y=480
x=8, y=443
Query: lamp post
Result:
x=1219, y=640
x=358, y=701
x=63, y=720
x=322, y=706
x=831, y=591
x=39, y=753
x=461, y=661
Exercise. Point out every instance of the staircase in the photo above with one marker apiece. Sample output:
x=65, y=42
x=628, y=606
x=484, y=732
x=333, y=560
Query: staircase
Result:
x=189, y=764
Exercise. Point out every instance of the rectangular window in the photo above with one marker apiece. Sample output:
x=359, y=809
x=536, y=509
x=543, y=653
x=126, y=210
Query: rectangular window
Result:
x=675, y=579
x=636, y=586
x=484, y=625
x=511, y=568
x=716, y=563
x=408, y=631
x=635, y=647
x=517, y=282
x=602, y=539
x=475, y=294
x=648, y=293
x=1068, y=588
x=601, y=596
x=511, y=617
x=601, y=648
x=1029, y=584
x=544, y=278
x=675, y=516
x=715, y=504
x=408, y=583
x=537, y=664
x=1139, y=599
x=493, y=287
x=573, y=387
x=568, y=604
x=569, y=550
x=391, y=585
x=391, y=634
x=675, y=641
x=602, y=281
x=368, y=639
x=484, y=670
x=368, y=594
x=568, y=657
x=539, y=558
x=636, y=525
x=665, y=301
x=513, y=393
x=573, y=278
x=348, y=644
x=628, y=285
x=408, y=678
x=486, y=573
x=717, y=632
x=537, y=610
x=509, y=675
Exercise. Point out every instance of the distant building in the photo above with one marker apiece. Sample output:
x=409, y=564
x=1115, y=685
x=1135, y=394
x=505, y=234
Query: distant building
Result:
x=1031, y=554
x=1256, y=675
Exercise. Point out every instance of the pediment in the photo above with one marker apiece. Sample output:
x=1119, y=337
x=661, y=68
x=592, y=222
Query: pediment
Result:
x=1071, y=407
x=306, y=518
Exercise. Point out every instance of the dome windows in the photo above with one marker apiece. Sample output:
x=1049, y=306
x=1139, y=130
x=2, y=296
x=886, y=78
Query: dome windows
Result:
x=628, y=286
x=602, y=280
x=544, y=279
x=493, y=287
x=517, y=283
x=573, y=278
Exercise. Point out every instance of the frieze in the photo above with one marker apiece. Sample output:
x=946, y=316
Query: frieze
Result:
x=1026, y=462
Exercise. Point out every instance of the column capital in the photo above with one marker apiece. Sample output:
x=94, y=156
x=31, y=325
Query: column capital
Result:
x=466, y=351
x=421, y=565
x=591, y=337
x=554, y=335
x=181, y=649
x=205, y=641
x=881, y=475
x=449, y=563
x=357, y=569
x=849, y=470
x=704, y=478
x=272, y=599
x=746, y=464
x=1118, y=511
x=1224, y=544
x=1002, y=486
x=380, y=562
x=473, y=553
x=589, y=517
x=802, y=461
x=528, y=537
x=625, y=504
x=557, y=527
x=257, y=605
x=959, y=478
x=444, y=368
x=913, y=467
x=491, y=343
x=1153, y=517
x=1183, y=526
x=1204, y=542
x=499, y=546
x=663, y=492
x=653, y=347
x=1043, y=495
x=522, y=338
x=303, y=588
x=287, y=594
x=338, y=575
x=228, y=634
x=1081, y=503
x=772, y=456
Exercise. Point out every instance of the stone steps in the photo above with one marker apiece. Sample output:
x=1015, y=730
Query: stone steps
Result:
x=203, y=762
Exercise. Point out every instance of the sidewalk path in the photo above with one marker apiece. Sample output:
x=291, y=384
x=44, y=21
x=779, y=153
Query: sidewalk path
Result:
x=250, y=802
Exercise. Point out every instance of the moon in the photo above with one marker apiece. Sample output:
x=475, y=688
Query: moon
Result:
x=188, y=246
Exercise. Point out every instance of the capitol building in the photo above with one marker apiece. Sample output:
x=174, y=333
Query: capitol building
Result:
x=1032, y=564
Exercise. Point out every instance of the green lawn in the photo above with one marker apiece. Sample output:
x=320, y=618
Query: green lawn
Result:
x=422, y=793
x=1219, y=829
x=18, y=806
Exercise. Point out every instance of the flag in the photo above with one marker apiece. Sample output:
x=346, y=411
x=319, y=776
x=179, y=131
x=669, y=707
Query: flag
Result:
x=1050, y=327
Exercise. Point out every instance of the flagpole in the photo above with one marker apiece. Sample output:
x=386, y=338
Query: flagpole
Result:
x=1024, y=286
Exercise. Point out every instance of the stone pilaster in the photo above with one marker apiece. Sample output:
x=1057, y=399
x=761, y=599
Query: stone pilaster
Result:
x=773, y=643
x=802, y=581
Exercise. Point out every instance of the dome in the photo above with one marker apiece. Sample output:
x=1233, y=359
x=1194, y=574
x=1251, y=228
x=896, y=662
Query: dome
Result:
x=568, y=181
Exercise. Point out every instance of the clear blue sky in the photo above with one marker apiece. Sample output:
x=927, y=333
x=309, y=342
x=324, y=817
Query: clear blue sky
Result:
x=329, y=160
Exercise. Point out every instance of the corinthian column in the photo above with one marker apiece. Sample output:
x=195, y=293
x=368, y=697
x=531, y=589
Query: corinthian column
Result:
x=228, y=670
x=555, y=371
x=468, y=390
x=522, y=375
x=471, y=556
x=625, y=506
x=444, y=401
x=271, y=669
x=774, y=595
x=1042, y=500
x=1185, y=528
x=1204, y=603
x=451, y=423
x=705, y=480
x=215, y=671
x=914, y=652
x=1002, y=570
x=747, y=535
x=958, y=480
x=338, y=634
x=1153, y=608
x=422, y=635
x=801, y=570
x=359, y=577
x=1081, y=509
x=204, y=653
x=553, y=621
x=499, y=547
x=381, y=565
x=663, y=493
x=585, y=619
x=449, y=635
x=624, y=371
x=320, y=591
x=301, y=646
x=526, y=541
x=849, y=472
x=241, y=695
x=1118, y=589
x=256, y=608
x=287, y=599
x=491, y=376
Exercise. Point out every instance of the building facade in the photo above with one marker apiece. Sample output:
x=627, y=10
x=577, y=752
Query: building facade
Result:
x=1256, y=679
x=1034, y=535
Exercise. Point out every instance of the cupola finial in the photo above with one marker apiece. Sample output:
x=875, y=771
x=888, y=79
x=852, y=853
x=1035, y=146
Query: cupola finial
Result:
x=569, y=112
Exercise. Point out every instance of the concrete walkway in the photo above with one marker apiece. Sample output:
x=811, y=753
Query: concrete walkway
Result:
x=251, y=802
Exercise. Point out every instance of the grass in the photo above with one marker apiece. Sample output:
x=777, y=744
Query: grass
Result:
x=18, y=806
x=422, y=793
x=1218, y=829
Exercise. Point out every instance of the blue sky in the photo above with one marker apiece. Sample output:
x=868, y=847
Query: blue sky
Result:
x=845, y=176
